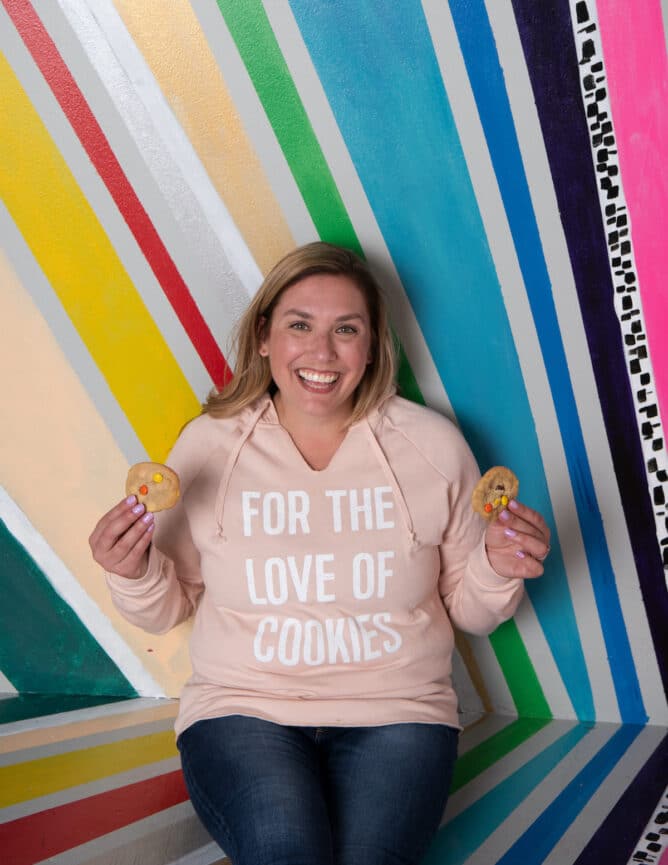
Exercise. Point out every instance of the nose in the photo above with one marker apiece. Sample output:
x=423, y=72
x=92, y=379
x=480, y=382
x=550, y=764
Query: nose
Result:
x=323, y=346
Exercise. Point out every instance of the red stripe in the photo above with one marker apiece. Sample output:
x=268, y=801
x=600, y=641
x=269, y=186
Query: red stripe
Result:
x=47, y=833
x=89, y=132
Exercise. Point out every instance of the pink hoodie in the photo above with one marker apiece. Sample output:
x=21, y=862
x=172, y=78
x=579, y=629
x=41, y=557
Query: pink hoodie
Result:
x=326, y=597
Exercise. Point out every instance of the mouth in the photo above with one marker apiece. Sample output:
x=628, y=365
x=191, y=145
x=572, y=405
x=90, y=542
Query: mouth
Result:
x=321, y=381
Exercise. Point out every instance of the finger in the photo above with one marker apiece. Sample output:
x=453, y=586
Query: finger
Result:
x=530, y=516
x=123, y=507
x=114, y=524
x=135, y=562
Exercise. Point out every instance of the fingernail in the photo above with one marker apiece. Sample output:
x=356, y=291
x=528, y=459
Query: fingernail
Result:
x=137, y=509
x=513, y=504
x=520, y=554
x=130, y=500
x=148, y=517
x=504, y=515
x=510, y=533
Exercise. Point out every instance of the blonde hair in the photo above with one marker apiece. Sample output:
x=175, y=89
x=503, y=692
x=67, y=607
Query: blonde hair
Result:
x=252, y=375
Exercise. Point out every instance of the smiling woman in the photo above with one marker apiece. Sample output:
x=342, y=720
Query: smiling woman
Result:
x=326, y=545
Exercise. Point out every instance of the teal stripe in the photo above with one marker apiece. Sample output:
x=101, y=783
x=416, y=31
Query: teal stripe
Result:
x=459, y=838
x=385, y=89
x=44, y=646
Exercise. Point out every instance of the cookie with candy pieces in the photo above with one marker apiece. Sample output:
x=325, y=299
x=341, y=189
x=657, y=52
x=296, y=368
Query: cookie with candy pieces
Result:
x=156, y=486
x=493, y=492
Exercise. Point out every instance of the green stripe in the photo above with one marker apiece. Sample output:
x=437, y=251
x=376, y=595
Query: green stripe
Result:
x=44, y=646
x=484, y=755
x=250, y=28
x=519, y=672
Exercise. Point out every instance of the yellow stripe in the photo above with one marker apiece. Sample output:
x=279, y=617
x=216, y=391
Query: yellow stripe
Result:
x=85, y=272
x=24, y=781
x=168, y=34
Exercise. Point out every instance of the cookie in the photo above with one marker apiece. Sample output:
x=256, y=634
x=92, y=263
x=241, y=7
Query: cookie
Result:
x=493, y=492
x=156, y=486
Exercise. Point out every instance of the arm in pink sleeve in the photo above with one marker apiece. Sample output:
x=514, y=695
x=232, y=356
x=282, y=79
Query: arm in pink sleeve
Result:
x=476, y=597
x=169, y=591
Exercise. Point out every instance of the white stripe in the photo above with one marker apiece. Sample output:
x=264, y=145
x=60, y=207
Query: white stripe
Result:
x=6, y=690
x=140, y=145
x=125, y=246
x=566, y=300
x=483, y=178
x=255, y=121
x=170, y=137
x=71, y=591
x=355, y=201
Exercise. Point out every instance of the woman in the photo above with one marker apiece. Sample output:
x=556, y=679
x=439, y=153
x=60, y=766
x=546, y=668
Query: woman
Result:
x=326, y=545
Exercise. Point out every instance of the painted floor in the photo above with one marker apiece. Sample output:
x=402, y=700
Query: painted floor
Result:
x=101, y=785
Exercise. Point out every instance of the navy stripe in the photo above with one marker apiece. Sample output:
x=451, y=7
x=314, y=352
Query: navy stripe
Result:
x=617, y=837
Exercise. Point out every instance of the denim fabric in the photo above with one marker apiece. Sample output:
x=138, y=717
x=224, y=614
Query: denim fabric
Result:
x=278, y=795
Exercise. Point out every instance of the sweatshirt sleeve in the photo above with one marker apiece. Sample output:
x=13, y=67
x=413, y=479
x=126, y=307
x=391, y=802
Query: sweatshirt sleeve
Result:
x=169, y=591
x=476, y=597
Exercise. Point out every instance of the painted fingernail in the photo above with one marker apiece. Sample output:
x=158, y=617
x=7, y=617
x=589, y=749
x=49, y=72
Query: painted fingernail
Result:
x=137, y=509
x=147, y=518
x=513, y=504
x=520, y=554
x=510, y=533
x=504, y=515
x=130, y=500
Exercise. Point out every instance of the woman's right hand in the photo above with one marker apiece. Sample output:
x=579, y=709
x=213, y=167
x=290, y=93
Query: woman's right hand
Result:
x=120, y=540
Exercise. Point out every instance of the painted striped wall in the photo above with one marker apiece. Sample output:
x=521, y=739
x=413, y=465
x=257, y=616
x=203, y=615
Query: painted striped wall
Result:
x=499, y=164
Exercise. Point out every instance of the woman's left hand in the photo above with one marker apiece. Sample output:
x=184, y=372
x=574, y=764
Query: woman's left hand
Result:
x=518, y=542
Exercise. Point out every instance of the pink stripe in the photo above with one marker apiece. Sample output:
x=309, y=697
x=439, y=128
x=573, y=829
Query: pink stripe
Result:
x=637, y=69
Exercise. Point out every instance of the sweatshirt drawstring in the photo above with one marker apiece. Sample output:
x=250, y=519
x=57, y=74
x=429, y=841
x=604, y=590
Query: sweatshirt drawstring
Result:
x=394, y=483
x=229, y=467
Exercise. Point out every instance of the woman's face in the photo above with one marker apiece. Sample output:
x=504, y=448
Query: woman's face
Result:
x=319, y=345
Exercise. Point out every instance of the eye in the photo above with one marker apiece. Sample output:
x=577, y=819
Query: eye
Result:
x=346, y=329
x=298, y=325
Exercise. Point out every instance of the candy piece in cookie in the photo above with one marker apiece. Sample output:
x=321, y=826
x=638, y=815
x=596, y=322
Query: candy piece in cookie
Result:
x=156, y=486
x=493, y=492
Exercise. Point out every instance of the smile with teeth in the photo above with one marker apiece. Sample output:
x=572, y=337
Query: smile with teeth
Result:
x=318, y=377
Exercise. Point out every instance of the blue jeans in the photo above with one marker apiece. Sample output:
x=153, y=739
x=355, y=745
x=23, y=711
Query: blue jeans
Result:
x=278, y=795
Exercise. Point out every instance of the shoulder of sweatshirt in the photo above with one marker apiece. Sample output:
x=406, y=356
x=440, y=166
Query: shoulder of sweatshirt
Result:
x=200, y=438
x=436, y=438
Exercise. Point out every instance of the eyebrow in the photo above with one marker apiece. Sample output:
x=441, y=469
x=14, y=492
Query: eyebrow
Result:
x=300, y=313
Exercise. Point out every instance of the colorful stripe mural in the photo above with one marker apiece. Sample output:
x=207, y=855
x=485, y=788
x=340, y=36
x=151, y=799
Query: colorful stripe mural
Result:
x=499, y=164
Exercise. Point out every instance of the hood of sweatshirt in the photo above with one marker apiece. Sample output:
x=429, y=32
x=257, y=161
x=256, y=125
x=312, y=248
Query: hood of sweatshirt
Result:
x=263, y=411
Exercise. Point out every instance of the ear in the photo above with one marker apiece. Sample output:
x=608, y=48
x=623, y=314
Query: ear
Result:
x=262, y=326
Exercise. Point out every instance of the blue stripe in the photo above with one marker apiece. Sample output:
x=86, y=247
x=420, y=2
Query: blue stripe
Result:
x=461, y=836
x=545, y=833
x=385, y=89
x=486, y=76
